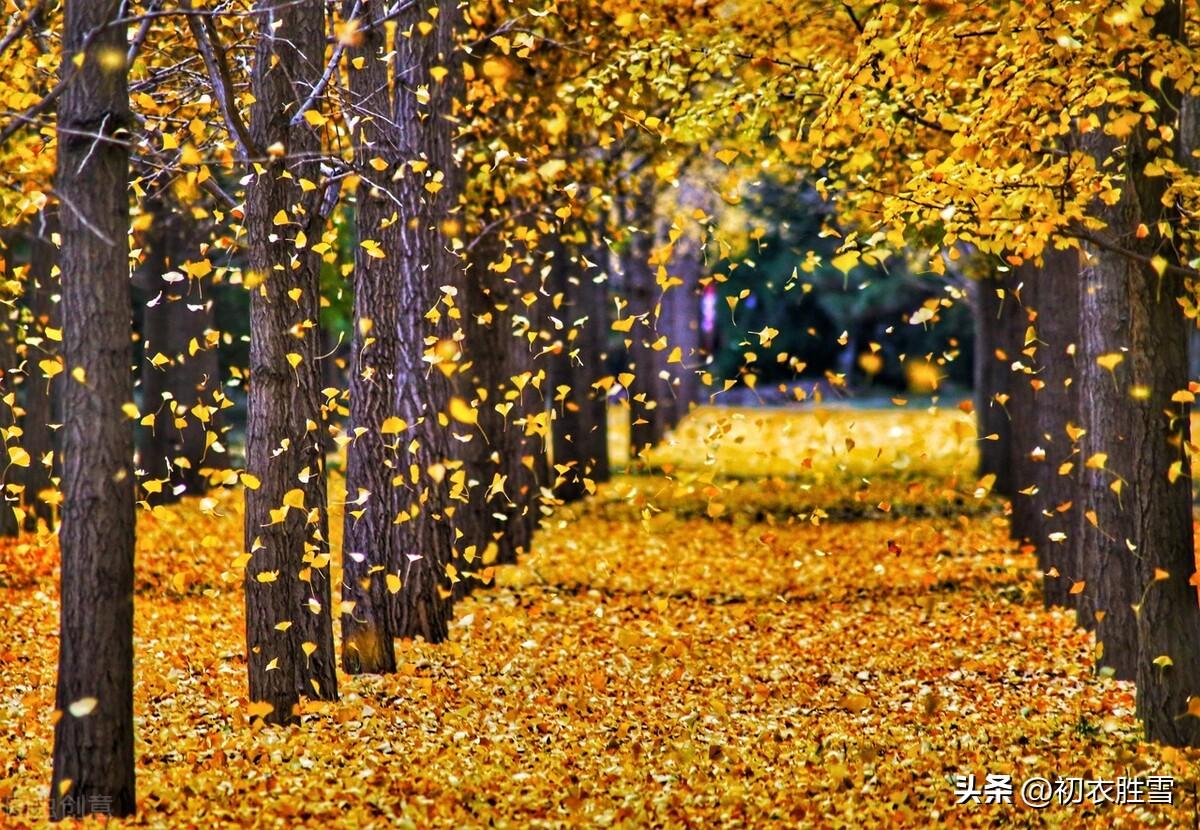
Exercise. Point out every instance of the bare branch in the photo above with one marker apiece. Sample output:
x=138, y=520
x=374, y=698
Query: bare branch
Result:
x=24, y=23
x=209, y=44
x=1113, y=247
x=323, y=83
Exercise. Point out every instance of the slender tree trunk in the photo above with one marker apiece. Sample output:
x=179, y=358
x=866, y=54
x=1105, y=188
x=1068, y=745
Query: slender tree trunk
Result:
x=1135, y=362
x=992, y=347
x=377, y=452
x=580, y=408
x=180, y=372
x=289, y=629
x=93, y=736
x=40, y=393
x=1151, y=428
x=650, y=395
x=680, y=319
x=1116, y=427
x=1023, y=442
x=527, y=468
x=1055, y=301
x=593, y=351
x=10, y=524
x=485, y=384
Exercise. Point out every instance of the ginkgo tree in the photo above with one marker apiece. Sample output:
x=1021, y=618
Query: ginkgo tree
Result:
x=1049, y=139
x=93, y=740
x=499, y=166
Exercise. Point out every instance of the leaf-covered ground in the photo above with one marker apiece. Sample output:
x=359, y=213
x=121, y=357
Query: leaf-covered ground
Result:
x=826, y=647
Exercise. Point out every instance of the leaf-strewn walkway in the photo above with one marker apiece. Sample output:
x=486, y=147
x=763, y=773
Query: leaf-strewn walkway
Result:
x=686, y=649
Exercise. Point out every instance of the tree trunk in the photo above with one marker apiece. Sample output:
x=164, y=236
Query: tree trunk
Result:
x=40, y=393
x=680, y=318
x=484, y=384
x=580, y=424
x=93, y=736
x=10, y=524
x=593, y=351
x=289, y=629
x=375, y=453
x=504, y=460
x=394, y=398
x=1024, y=521
x=530, y=469
x=992, y=347
x=180, y=372
x=408, y=295
x=650, y=395
x=1141, y=551
x=1055, y=301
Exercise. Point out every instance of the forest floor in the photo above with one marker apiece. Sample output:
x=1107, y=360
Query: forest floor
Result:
x=776, y=627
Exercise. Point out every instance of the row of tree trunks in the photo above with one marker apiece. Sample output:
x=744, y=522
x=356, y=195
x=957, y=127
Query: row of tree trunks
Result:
x=289, y=629
x=1026, y=397
x=1110, y=352
x=93, y=735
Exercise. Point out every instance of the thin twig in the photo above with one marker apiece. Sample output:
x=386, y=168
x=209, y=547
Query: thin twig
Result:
x=24, y=23
x=209, y=44
x=1112, y=247
x=334, y=59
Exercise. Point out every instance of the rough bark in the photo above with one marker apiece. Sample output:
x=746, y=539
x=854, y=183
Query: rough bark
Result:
x=1141, y=551
x=287, y=577
x=176, y=315
x=93, y=737
x=377, y=451
x=417, y=278
x=1055, y=303
x=40, y=393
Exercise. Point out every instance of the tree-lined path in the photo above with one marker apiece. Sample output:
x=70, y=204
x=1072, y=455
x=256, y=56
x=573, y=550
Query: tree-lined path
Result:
x=638, y=412
x=651, y=664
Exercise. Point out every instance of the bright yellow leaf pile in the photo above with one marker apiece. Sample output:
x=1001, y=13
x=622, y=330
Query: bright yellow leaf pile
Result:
x=829, y=443
x=656, y=662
